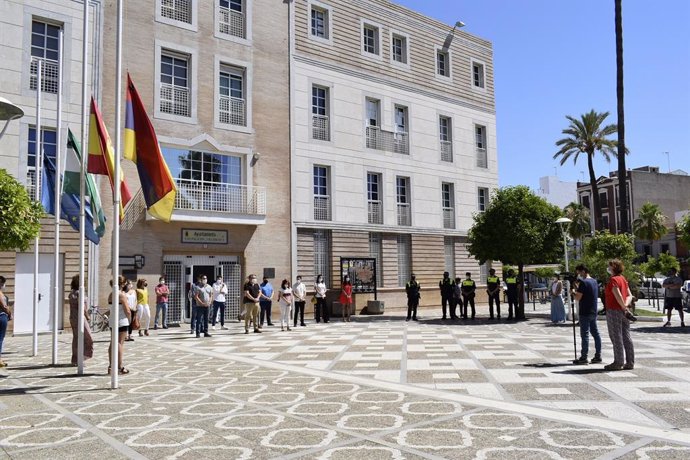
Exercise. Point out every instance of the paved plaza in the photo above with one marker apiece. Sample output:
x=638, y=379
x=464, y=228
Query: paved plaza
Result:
x=378, y=387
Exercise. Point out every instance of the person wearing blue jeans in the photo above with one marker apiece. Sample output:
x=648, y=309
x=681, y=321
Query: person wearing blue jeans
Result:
x=266, y=302
x=587, y=294
x=5, y=316
x=162, y=293
x=203, y=293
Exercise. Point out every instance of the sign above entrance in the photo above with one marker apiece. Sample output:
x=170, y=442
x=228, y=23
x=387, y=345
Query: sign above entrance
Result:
x=204, y=236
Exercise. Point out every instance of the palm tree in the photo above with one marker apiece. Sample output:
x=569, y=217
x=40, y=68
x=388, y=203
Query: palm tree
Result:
x=650, y=223
x=624, y=225
x=580, y=225
x=587, y=136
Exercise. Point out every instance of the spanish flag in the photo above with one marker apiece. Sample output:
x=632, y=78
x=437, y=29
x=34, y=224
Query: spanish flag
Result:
x=101, y=159
x=141, y=147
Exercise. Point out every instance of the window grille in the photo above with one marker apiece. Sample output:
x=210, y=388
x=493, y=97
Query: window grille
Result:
x=174, y=277
x=322, y=199
x=375, y=206
x=232, y=276
x=322, y=255
x=402, y=185
x=177, y=10
x=231, y=18
x=231, y=103
x=174, y=89
x=404, y=259
x=376, y=251
x=49, y=147
x=445, y=134
x=319, y=110
x=45, y=48
x=397, y=142
x=449, y=255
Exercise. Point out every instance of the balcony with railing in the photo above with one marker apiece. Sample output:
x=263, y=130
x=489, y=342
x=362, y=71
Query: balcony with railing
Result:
x=375, y=212
x=482, y=161
x=322, y=207
x=50, y=71
x=404, y=214
x=448, y=218
x=220, y=202
x=388, y=141
x=174, y=100
x=231, y=22
x=31, y=183
x=232, y=111
x=446, y=151
x=320, y=128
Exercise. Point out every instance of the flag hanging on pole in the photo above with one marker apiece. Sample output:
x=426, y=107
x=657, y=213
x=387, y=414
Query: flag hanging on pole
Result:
x=141, y=147
x=101, y=159
x=69, y=202
x=71, y=178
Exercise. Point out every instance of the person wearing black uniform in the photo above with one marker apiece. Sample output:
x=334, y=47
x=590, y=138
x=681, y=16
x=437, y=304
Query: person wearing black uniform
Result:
x=512, y=292
x=446, y=288
x=412, y=288
x=493, y=289
x=468, y=291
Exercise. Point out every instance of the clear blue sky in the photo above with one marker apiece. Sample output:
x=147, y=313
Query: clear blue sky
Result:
x=555, y=57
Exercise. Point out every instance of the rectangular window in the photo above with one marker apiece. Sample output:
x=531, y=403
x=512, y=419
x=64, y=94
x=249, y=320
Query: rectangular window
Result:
x=603, y=200
x=232, y=103
x=400, y=119
x=322, y=199
x=194, y=168
x=404, y=259
x=402, y=196
x=319, y=22
x=322, y=255
x=370, y=39
x=399, y=48
x=442, y=63
x=449, y=255
x=177, y=10
x=376, y=251
x=448, y=204
x=49, y=148
x=373, y=112
x=605, y=221
x=174, y=80
x=45, y=48
x=446, y=139
x=482, y=198
x=478, y=75
x=374, y=203
x=319, y=110
x=231, y=18
x=584, y=199
x=400, y=137
x=480, y=142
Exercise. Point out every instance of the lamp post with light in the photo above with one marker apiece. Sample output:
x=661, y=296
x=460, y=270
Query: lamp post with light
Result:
x=563, y=222
x=8, y=112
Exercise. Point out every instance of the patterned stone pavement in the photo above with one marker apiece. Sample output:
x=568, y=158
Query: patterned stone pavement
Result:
x=375, y=388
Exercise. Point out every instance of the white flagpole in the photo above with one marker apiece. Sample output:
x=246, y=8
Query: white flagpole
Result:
x=37, y=196
x=57, y=295
x=82, y=181
x=116, y=195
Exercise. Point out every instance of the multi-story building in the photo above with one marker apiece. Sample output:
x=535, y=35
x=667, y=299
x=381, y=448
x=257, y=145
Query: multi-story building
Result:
x=393, y=142
x=31, y=31
x=671, y=191
x=556, y=191
x=214, y=77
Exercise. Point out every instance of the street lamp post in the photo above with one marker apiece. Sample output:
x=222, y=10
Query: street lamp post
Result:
x=8, y=112
x=563, y=222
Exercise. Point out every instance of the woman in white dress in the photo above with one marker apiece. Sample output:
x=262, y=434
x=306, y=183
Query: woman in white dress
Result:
x=557, y=305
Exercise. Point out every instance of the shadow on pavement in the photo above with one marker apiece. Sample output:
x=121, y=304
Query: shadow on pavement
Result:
x=662, y=330
x=40, y=366
x=547, y=365
x=581, y=370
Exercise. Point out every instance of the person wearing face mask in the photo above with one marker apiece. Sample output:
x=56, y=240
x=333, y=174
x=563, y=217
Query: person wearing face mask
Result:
x=320, y=310
x=346, y=298
x=468, y=291
x=220, y=290
x=285, y=303
x=586, y=295
x=446, y=287
x=557, y=305
x=673, y=299
x=203, y=293
x=299, y=291
x=266, y=302
x=124, y=320
x=131, y=296
x=412, y=289
x=512, y=292
x=162, y=293
x=143, y=309
x=5, y=316
x=252, y=296
x=617, y=296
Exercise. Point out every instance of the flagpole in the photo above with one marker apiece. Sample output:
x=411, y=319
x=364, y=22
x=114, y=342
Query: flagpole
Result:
x=57, y=295
x=116, y=194
x=37, y=196
x=82, y=182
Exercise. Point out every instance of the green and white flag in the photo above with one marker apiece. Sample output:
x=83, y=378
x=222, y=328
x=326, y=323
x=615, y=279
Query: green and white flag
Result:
x=71, y=180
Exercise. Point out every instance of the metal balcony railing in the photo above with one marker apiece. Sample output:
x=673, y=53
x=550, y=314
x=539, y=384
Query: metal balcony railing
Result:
x=375, y=212
x=320, y=128
x=174, y=99
x=232, y=111
x=448, y=218
x=322, y=207
x=481, y=158
x=50, y=71
x=226, y=198
x=446, y=151
x=231, y=22
x=387, y=140
x=31, y=183
x=404, y=214
x=177, y=10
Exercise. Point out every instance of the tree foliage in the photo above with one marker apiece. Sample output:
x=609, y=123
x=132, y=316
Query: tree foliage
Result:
x=19, y=215
x=604, y=246
x=650, y=223
x=683, y=230
x=517, y=228
x=580, y=225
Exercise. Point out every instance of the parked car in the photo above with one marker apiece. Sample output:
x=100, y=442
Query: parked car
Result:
x=651, y=289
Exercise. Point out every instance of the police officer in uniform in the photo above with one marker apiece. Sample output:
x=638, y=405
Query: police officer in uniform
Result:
x=493, y=289
x=468, y=291
x=512, y=292
x=412, y=288
x=446, y=287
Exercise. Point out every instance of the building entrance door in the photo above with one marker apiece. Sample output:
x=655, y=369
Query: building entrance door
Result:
x=23, y=305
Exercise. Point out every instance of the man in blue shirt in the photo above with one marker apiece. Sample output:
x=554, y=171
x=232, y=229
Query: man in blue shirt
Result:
x=587, y=295
x=265, y=302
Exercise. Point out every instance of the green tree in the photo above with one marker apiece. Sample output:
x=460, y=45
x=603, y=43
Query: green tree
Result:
x=604, y=246
x=622, y=170
x=650, y=223
x=587, y=136
x=666, y=262
x=580, y=225
x=19, y=215
x=683, y=230
x=517, y=228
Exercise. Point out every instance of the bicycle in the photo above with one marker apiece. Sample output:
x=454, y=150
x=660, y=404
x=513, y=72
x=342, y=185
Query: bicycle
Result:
x=99, y=321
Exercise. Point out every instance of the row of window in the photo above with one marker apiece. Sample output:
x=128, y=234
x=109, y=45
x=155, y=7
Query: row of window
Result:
x=321, y=29
x=375, y=205
x=230, y=15
x=396, y=141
